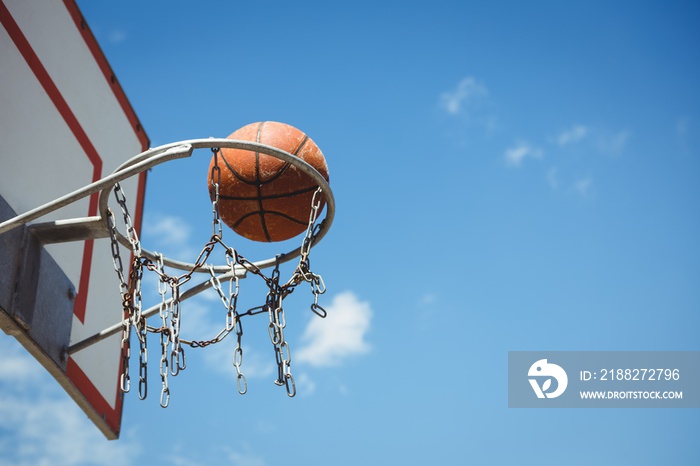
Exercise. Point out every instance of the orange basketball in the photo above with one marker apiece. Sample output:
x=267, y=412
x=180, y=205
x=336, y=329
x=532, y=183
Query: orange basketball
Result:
x=262, y=197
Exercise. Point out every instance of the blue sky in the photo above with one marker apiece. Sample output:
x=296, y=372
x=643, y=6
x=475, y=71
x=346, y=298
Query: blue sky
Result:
x=508, y=176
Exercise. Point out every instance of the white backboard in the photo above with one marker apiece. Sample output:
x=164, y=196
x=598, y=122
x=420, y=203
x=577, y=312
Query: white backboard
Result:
x=64, y=123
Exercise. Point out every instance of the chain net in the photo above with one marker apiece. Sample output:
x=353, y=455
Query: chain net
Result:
x=172, y=354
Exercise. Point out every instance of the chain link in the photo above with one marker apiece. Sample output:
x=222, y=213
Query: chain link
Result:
x=216, y=183
x=164, y=313
x=139, y=324
x=276, y=328
x=125, y=346
x=177, y=353
x=233, y=320
x=131, y=234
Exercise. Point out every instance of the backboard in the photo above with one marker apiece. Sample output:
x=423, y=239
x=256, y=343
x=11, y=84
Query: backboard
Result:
x=64, y=122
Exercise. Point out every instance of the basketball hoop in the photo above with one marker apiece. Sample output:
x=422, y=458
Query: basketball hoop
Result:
x=229, y=270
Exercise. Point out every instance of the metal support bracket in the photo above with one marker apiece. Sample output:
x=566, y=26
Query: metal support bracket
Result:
x=38, y=298
x=74, y=229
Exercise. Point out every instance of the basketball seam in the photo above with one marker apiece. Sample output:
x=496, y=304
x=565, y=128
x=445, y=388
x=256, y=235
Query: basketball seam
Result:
x=271, y=212
x=261, y=210
x=301, y=145
x=269, y=196
x=258, y=181
x=287, y=164
x=233, y=170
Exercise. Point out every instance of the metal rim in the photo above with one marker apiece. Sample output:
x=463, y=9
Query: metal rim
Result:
x=187, y=147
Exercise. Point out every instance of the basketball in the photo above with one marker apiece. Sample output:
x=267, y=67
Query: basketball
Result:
x=261, y=197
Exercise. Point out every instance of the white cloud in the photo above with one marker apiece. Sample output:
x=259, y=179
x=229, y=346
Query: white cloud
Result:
x=170, y=236
x=515, y=155
x=168, y=230
x=583, y=185
x=575, y=134
x=467, y=92
x=605, y=141
x=41, y=425
x=613, y=143
x=340, y=335
x=15, y=368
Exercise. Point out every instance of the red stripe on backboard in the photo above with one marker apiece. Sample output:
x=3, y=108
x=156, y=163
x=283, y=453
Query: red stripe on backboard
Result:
x=119, y=94
x=73, y=124
x=140, y=200
x=111, y=416
x=102, y=62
